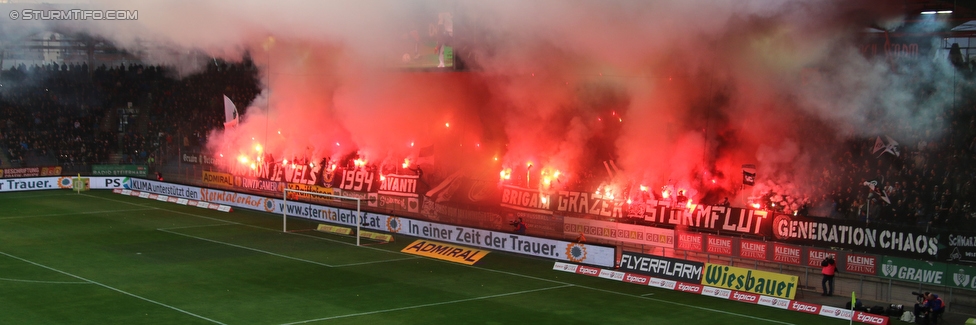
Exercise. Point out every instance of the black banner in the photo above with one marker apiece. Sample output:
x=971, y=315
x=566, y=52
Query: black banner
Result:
x=198, y=159
x=889, y=46
x=662, y=267
x=359, y=180
x=458, y=189
x=401, y=185
x=710, y=218
x=886, y=240
x=298, y=173
x=962, y=248
x=589, y=203
x=749, y=174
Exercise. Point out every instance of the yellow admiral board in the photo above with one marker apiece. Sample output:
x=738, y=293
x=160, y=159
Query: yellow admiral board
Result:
x=334, y=229
x=447, y=252
x=386, y=238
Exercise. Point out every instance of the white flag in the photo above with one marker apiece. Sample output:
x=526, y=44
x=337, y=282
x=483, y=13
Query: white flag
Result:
x=230, y=113
x=892, y=147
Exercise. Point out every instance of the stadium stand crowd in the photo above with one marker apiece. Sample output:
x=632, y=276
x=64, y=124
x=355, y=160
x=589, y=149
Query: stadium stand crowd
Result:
x=69, y=115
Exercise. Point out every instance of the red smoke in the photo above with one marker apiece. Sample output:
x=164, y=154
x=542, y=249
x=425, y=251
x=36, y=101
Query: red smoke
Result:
x=676, y=93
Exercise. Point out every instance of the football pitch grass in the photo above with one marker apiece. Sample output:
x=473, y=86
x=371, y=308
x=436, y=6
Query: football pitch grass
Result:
x=103, y=258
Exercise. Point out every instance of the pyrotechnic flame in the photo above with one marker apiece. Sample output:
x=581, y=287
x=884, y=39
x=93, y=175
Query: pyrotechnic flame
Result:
x=382, y=178
x=643, y=188
x=359, y=162
x=411, y=144
x=258, y=158
x=243, y=159
x=756, y=205
x=544, y=199
x=311, y=164
x=447, y=125
x=406, y=163
x=555, y=175
x=284, y=161
x=253, y=166
x=506, y=174
x=258, y=148
x=665, y=194
x=547, y=181
x=629, y=201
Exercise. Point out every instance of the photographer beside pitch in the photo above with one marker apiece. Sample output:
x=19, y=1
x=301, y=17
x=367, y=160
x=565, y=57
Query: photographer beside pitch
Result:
x=928, y=307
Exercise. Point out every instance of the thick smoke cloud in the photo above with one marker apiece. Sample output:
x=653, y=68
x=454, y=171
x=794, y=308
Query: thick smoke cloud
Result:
x=677, y=94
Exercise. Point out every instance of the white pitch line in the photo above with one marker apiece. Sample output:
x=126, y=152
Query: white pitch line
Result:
x=173, y=211
x=247, y=248
x=375, y=262
x=113, y=288
x=75, y=213
x=496, y=271
x=647, y=294
x=28, y=196
x=427, y=305
x=45, y=282
x=197, y=226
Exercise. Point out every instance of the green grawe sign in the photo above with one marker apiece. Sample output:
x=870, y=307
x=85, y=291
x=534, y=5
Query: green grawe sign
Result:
x=961, y=277
x=913, y=270
x=120, y=170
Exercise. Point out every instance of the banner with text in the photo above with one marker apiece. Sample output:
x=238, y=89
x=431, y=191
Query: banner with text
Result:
x=662, y=267
x=754, y=281
x=501, y=241
x=447, y=252
x=54, y=183
x=821, y=232
x=256, y=184
x=911, y=270
x=198, y=159
x=615, y=231
x=120, y=170
x=357, y=180
x=30, y=172
x=719, y=245
x=962, y=248
x=701, y=217
x=218, y=179
x=308, y=197
x=298, y=172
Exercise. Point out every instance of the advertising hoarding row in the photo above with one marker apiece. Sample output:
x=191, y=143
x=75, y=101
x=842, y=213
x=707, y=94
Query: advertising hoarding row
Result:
x=501, y=241
x=725, y=282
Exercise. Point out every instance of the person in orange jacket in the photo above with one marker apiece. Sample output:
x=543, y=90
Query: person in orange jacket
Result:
x=828, y=271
